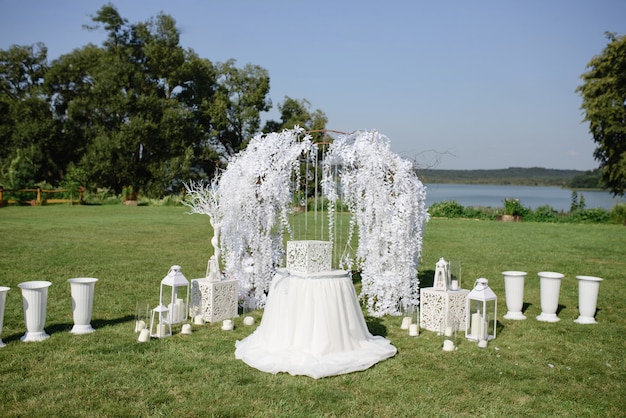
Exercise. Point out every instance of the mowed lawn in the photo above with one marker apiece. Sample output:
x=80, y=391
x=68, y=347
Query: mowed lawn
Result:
x=531, y=369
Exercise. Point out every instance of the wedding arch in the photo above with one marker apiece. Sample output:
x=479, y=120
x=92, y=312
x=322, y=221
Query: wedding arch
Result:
x=251, y=201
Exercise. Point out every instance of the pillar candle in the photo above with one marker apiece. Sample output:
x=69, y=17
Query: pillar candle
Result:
x=406, y=321
x=475, y=328
x=144, y=335
x=414, y=330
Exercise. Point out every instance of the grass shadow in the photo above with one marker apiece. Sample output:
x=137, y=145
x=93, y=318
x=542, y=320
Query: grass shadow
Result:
x=525, y=307
x=375, y=326
x=426, y=278
x=560, y=308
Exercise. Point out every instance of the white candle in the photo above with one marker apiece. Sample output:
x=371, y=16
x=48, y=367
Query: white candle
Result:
x=248, y=320
x=455, y=284
x=448, y=332
x=139, y=325
x=186, y=329
x=414, y=330
x=406, y=321
x=161, y=330
x=227, y=325
x=485, y=331
x=448, y=345
x=198, y=320
x=180, y=310
x=144, y=335
x=172, y=312
x=475, y=328
x=482, y=343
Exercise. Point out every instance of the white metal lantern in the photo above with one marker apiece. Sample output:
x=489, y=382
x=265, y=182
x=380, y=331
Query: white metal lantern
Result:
x=442, y=275
x=481, y=310
x=160, y=326
x=177, y=302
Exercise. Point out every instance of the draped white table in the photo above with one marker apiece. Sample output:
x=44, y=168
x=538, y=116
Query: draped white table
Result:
x=313, y=325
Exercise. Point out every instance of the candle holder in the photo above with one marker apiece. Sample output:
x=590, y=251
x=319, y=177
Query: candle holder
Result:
x=481, y=310
x=160, y=325
x=448, y=332
x=142, y=316
x=442, y=280
x=178, y=307
x=413, y=314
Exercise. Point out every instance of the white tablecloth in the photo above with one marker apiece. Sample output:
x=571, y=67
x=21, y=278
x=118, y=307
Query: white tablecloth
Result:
x=313, y=325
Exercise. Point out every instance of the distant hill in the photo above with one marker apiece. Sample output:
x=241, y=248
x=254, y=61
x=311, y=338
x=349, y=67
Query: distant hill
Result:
x=534, y=176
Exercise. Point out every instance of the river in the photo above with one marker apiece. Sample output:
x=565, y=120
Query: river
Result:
x=530, y=196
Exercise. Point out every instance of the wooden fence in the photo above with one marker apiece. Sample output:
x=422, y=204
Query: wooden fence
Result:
x=38, y=196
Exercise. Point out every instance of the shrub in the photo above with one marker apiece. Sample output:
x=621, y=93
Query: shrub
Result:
x=451, y=209
x=618, y=213
x=545, y=213
x=595, y=215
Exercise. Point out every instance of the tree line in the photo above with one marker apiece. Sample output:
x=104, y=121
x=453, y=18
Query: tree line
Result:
x=521, y=176
x=139, y=111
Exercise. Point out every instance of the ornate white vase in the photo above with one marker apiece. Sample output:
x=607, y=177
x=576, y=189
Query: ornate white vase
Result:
x=82, y=290
x=550, y=288
x=588, y=287
x=3, y=299
x=514, y=291
x=35, y=298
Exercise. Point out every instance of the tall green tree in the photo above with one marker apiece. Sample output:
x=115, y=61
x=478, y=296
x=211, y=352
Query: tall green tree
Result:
x=28, y=132
x=297, y=112
x=604, y=102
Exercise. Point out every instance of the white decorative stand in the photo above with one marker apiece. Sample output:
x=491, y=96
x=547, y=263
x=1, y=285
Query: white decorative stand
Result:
x=550, y=288
x=214, y=300
x=3, y=299
x=588, y=288
x=82, y=290
x=35, y=298
x=514, y=291
x=442, y=305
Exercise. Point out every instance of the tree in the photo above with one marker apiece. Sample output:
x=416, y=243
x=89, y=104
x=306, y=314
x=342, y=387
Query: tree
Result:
x=28, y=132
x=604, y=103
x=297, y=112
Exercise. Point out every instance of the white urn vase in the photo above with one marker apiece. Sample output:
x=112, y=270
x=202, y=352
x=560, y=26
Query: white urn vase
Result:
x=514, y=292
x=35, y=298
x=588, y=287
x=82, y=290
x=3, y=299
x=550, y=288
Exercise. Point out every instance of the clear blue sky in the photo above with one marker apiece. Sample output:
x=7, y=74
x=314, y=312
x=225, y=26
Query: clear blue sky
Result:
x=456, y=84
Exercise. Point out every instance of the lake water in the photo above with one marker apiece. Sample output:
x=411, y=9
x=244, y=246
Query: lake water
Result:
x=529, y=196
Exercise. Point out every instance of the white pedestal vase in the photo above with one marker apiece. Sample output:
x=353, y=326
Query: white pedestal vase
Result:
x=514, y=291
x=550, y=287
x=3, y=299
x=35, y=298
x=82, y=290
x=588, y=287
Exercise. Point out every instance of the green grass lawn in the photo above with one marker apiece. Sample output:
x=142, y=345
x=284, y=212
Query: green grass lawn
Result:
x=531, y=369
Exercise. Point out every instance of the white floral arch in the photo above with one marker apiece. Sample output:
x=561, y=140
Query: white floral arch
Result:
x=251, y=200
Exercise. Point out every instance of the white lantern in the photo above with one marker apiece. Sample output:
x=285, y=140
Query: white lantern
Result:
x=160, y=325
x=481, y=310
x=177, y=302
x=442, y=275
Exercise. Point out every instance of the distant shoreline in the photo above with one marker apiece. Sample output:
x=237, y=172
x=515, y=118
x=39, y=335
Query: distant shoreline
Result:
x=515, y=176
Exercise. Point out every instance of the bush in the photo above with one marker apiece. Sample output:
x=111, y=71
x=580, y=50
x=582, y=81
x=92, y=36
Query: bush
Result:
x=618, y=213
x=595, y=215
x=545, y=213
x=451, y=209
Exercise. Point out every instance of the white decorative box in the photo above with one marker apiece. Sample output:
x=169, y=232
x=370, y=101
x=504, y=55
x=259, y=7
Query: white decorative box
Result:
x=215, y=301
x=309, y=256
x=439, y=306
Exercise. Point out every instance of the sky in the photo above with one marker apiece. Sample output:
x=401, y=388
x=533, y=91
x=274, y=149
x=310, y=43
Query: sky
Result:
x=454, y=84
